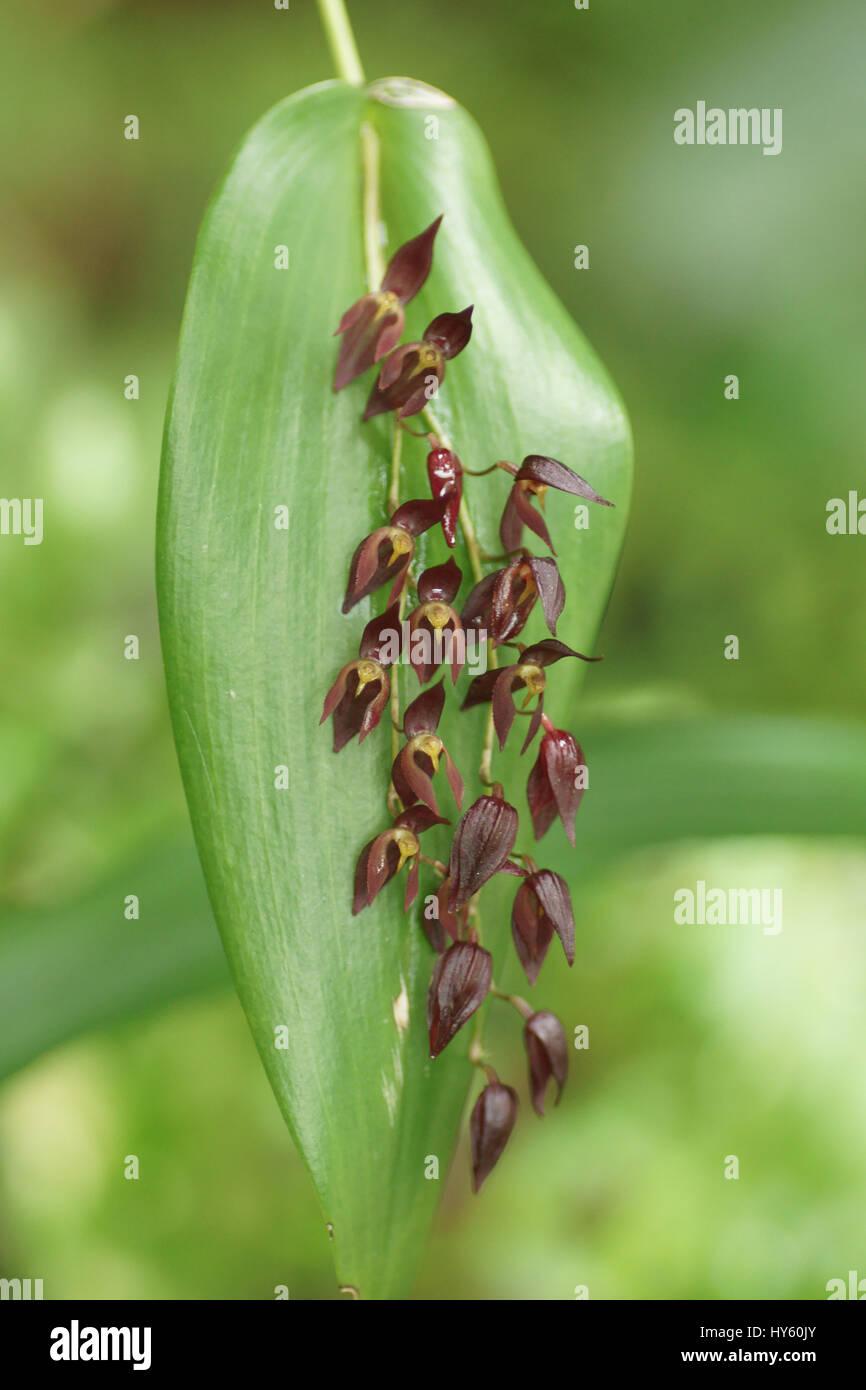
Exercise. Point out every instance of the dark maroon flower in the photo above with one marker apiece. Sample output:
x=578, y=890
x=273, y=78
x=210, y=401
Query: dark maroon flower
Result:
x=435, y=630
x=384, y=856
x=374, y=323
x=535, y=475
x=527, y=674
x=356, y=700
x=490, y=1125
x=446, y=484
x=419, y=758
x=542, y=906
x=556, y=782
x=412, y=374
x=502, y=602
x=482, y=842
x=547, y=1048
x=387, y=552
x=459, y=985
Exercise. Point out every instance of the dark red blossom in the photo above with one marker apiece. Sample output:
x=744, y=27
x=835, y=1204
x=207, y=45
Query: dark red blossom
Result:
x=436, y=633
x=356, y=700
x=418, y=760
x=384, y=856
x=527, y=674
x=490, y=1125
x=556, y=782
x=374, y=323
x=534, y=476
x=482, y=842
x=446, y=484
x=547, y=1049
x=387, y=552
x=501, y=602
x=542, y=906
x=459, y=985
x=412, y=374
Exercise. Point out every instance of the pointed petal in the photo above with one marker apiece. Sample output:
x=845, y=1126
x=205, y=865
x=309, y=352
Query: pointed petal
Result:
x=425, y=711
x=455, y=781
x=551, y=589
x=410, y=265
x=440, y=582
x=552, y=892
x=552, y=473
x=547, y=1048
x=534, y=723
x=411, y=885
x=503, y=705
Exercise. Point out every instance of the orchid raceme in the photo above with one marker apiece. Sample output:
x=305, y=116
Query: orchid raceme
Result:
x=497, y=609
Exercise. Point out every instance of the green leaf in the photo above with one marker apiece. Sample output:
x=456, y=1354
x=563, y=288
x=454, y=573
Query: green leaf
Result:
x=252, y=630
x=81, y=965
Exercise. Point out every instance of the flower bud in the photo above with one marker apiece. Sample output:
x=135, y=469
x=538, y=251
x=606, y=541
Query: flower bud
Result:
x=482, y=842
x=459, y=985
x=490, y=1126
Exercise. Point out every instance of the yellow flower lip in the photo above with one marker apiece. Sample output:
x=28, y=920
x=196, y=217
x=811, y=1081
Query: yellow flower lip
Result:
x=533, y=678
x=429, y=356
x=437, y=614
x=401, y=543
x=368, y=671
x=430, y=744
x=407, y=843
x=388, y=302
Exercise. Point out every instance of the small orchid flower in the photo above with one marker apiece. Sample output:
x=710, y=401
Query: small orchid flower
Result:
x=527, y=674
x=356, y=700
x=412, y=374
x=419, y=758
x=387, y=552
x=532, y=479
x=557, y=781
x=502, y=602
x=384, y=856
x=438, y=622
x=373, y=325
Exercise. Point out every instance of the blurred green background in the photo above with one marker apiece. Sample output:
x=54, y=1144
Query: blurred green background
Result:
x=705, y=1042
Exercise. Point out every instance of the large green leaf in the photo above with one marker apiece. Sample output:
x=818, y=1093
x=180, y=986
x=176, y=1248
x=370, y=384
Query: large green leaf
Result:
x=251, y=623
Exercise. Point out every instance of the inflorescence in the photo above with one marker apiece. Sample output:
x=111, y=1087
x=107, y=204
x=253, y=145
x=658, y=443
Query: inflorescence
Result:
x=495, y=611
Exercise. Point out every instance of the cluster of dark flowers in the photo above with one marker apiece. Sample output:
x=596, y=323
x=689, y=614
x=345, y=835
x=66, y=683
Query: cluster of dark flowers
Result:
x=498, y=608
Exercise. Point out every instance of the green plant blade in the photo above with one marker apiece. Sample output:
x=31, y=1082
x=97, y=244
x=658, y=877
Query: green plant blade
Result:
x=251, y=624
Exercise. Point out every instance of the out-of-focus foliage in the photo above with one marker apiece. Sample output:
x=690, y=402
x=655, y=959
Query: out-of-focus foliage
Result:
x=704, y=1041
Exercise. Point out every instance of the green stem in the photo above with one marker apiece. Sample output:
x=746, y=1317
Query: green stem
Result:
x=341, y=41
